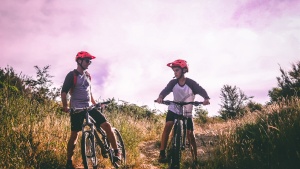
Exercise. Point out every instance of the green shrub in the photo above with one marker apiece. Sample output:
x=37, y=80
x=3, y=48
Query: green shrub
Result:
x=271, y=142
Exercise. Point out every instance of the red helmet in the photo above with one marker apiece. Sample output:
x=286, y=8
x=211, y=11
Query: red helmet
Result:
x=84, y=54
x=179, y=63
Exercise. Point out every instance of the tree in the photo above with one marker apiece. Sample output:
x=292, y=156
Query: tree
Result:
x=41, y=88
x=288, y=84
x=201, y=115
x=11, y=81
x=252, y=106
x=233, y=102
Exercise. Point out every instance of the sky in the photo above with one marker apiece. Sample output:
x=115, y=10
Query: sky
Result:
x=240, y=43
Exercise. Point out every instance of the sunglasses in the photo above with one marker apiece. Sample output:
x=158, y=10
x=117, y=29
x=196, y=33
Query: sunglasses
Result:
x=88, y=61
x=176, y=70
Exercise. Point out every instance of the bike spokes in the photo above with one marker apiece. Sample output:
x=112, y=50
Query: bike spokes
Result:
x=121, y=161
x=88, y=151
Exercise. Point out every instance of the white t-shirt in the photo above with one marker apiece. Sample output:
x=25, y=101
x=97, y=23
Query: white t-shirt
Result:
x=185, y=93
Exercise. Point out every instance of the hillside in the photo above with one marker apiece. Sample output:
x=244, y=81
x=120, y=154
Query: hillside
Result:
x=35, y=132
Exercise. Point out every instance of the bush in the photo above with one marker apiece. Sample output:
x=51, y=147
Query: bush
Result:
x=271, y=142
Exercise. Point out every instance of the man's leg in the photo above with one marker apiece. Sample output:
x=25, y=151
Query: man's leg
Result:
x=76, y=122
x=110, y=134
x=192, y=139
x=70, y=148
x=164, y=141
x=165, y=136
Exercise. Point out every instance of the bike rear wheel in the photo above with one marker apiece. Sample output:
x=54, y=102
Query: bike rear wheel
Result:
x=121, y=148
x=176, y=146
x=88, y=150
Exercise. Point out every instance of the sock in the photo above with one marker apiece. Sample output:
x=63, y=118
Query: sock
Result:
x=116, y=151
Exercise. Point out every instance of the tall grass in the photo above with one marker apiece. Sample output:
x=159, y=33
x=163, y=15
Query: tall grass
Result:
x=271, y=141
x=30, y=136
x=35, y=135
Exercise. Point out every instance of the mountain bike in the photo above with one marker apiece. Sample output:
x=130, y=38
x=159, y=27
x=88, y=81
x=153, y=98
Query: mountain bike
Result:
x=178, y=141
x=92, y=145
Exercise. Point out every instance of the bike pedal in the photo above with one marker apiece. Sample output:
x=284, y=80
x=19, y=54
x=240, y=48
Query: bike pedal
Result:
x=104, y=155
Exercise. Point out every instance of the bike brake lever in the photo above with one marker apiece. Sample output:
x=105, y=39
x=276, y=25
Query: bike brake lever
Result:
x=198, y=103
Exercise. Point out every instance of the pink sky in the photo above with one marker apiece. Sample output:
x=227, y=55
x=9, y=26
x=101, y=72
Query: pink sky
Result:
x=238, y=42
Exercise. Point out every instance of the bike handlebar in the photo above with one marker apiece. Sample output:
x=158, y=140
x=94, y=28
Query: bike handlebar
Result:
x=168, y=102
x=97, y=105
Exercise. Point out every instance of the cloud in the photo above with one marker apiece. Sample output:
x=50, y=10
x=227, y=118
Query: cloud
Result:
x=237, y=43
x=261, y=14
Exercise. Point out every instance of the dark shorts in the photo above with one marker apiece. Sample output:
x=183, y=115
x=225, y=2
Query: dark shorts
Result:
x=171, y=117
x=78, y=118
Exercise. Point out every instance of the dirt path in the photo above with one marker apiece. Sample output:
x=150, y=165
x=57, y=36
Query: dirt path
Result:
x=206, y=140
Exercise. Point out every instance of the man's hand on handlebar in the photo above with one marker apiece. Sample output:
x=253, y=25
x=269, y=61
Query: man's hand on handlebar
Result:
x=206, y=102
x=159, y=100
x=66, y=109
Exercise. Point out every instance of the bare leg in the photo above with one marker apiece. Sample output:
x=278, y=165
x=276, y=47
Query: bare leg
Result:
x=165, y=135
x=110, y=134
x=71, y=144
x=192, y=140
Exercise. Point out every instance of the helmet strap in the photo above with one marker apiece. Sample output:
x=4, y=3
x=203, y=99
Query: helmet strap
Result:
x=80, y=64
x=182, y=73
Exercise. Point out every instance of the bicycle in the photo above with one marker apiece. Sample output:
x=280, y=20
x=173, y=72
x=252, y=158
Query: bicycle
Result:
x=92, y=144
x=178, y=141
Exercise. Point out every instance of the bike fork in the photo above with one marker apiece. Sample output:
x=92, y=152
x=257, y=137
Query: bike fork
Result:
x=184, y=134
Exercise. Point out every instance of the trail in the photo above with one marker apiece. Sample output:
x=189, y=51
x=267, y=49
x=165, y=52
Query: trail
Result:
x=206, y=140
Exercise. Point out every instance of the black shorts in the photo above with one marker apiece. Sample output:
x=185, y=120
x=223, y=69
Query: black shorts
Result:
x=78, y=118
x=171, y=117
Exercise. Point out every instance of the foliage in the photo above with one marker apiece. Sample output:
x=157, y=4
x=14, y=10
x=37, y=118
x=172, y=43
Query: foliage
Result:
x=233, y=102
x=35, y=132
x=40, y=87
x=201, y=115
x=11, y=82
x=270, y=142
x=252, y=106
x=132, y=110
x=288, y=84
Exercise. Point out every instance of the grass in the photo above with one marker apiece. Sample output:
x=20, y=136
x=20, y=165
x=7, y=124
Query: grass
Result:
x=35, y=135
x=270, y=140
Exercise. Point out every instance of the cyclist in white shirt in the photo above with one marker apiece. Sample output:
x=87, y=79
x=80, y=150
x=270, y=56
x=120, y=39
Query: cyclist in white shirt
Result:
x=184, y=90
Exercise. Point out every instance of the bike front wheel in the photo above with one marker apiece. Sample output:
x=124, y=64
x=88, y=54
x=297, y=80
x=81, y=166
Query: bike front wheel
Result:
x=88, y=150
x=176, y=146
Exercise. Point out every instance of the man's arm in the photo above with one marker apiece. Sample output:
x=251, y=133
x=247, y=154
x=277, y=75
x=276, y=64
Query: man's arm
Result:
x=67, y=85
x=167, y=90
x=64, y=101
x=197, y=89
x=92, y=99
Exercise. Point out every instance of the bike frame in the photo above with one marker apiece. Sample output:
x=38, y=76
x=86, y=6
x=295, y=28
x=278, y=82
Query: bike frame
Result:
x=89, y=126
x=183, y=118
x=177, y=123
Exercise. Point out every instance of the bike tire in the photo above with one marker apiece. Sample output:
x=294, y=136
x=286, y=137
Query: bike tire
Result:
x=88, y=150
x=176, y=149
x=121, y=147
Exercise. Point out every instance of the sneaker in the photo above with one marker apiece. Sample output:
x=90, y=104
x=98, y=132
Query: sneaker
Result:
x=70, y=166
x=104, y=153
x=195, y=163
x=117, y=157
x=163, y=159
